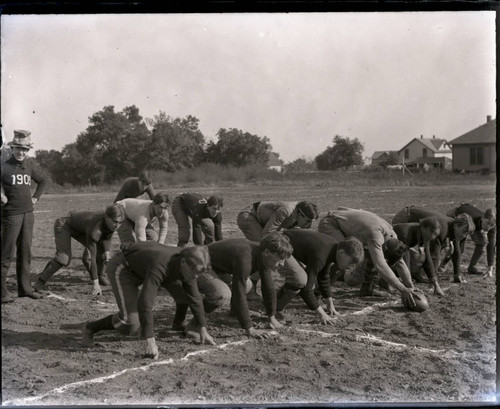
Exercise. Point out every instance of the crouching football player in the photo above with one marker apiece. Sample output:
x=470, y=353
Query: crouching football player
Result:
x=184, y=273
x=453, y=231
x=235, y=260
x=383, y=250
x=485, y=235
x=418, y=236
x=320, y=254
x=92, y=229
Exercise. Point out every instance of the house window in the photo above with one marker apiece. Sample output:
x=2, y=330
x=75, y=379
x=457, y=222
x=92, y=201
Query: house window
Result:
x=424, y=152
x=407, y=154
x=476, y=155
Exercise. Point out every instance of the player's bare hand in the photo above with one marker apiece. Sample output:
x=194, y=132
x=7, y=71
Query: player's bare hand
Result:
x=151, y=349
x=274, y=323
x=331, y=308
x=438, y=291
x=407, y=298
x=258, y=334
x=4, y=199
x=96, y=290
x=34, y=200
x=205, y=337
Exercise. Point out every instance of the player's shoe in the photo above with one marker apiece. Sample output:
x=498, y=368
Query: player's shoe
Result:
x=103, y=280
x=87, y=336
x=8, y=299
x=40, y=286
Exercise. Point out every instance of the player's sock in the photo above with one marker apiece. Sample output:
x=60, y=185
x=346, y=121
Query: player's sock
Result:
x=49, y=270
x=105, y=323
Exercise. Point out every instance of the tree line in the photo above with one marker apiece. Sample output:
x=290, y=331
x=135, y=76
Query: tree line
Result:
x=120, y=144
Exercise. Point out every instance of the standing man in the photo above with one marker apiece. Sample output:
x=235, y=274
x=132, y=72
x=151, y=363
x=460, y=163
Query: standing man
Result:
x=132, y=188
x=17, y=214
x=320, y=254
x=485, y=235
x=262, y=218
x=205, y=214
x=94, y=230
x=418, y=236
x=186, y=275
x=139, y=214
x=235, y=260
x=453, y=231
x=383, y=250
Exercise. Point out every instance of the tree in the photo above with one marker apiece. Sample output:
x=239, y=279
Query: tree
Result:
x=345, y=152
x=389, y=160
x=52, y=163
x=115, y=140
x=175, y=143
x=237, y=148
x=301, y=165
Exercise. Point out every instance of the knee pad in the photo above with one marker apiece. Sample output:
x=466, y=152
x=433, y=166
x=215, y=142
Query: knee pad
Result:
x=125, y=327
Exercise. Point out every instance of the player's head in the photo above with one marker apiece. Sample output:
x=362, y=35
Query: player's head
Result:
x=275, y=248
x=462, y=226
x=144, y=177
x=349, y=253
x=21, y=144
x=195, y=260
x=489, y=219
x=306, y=213
x=114, y=216
x=214, y=205
x=393, y=250
x=430, y=228
x=161, y=201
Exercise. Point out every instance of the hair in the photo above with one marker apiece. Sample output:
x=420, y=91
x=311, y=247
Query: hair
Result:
x=160, y=198
x=490, y=214
x=309, y=209
x=464, y=219
x=277, y=243
x=431, y=222
x=115, y=210
x=353, y=248
x=144, y=177
x=197, y=255
x=393, y=250
x=215, y=201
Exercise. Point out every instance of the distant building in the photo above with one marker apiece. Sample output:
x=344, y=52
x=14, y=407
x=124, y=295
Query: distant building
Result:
x=381, y=157
x=476, y=149
x=274, y=162
x=426, y=153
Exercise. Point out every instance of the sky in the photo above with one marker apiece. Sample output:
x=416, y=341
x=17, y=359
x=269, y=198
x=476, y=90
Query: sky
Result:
x=299, y=79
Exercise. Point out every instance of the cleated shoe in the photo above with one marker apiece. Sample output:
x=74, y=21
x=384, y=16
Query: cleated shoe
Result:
x=103, y=280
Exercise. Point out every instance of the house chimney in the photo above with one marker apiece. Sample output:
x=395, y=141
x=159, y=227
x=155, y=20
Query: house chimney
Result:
x=421, y=136
x=433, y=136
x=488, y=118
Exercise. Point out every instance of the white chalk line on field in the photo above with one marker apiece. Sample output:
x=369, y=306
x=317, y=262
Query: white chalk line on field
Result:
x=102, y=379
x=59, y=297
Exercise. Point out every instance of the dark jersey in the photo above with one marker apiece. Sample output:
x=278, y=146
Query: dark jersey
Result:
x=16, y=184
x=317, y=251
x=89, y=228
x=472, y=211
x=133, y=188
x=241, y=258
x=195, y=206
x=157, y=265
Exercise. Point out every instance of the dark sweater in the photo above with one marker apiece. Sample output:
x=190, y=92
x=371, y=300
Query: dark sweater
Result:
x=241, y=258
x=133, y=188
x=158, y=265
x=195, y=206
x=89, y=228
x=317, y=251
x=16, y=184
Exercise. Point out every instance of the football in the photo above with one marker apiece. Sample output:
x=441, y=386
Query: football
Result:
x=421, y=302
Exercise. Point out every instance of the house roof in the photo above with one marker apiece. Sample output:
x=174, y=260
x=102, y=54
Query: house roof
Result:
x=485, y=133
x=274, y=160
x=378, y=154
x=433, y=144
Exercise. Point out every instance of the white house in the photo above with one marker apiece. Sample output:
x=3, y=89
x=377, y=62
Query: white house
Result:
x=433, y=152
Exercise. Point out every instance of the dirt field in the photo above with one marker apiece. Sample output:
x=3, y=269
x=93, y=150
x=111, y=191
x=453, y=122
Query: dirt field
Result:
x=376, y=351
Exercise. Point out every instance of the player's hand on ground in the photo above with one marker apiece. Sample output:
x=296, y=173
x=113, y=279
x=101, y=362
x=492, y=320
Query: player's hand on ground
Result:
x=324, y=317
x=258, y=334
x=407, y=297
x=205, y=337
x=274, y=323
x=151, y=349
x=439, y=291
x=96, y=289
x=488, y=273
x=330, y=308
